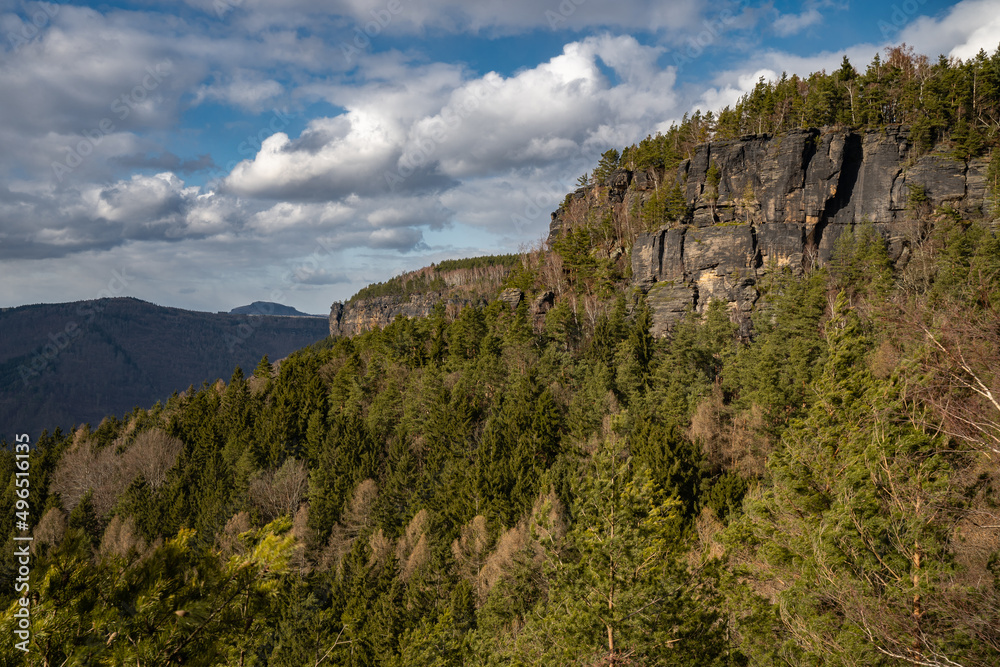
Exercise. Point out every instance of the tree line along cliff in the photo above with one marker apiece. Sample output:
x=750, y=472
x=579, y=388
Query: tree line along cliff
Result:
x=715, y=225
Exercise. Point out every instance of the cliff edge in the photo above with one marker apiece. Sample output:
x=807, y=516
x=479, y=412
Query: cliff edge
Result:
x=761, y=202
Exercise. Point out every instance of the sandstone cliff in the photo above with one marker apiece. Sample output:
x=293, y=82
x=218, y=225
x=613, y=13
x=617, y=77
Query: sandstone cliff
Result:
x=453, y=283
x=780, y=201
x=366, y=314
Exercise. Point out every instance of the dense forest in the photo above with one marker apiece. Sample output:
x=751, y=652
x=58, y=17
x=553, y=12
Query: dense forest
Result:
x=496, y=489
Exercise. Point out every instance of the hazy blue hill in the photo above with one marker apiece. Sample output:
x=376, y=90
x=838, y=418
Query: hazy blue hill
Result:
x=69, y=363
x=270, y=308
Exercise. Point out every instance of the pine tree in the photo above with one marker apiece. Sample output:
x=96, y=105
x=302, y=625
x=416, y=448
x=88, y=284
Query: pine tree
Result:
x=618, y=594
x=850, y=522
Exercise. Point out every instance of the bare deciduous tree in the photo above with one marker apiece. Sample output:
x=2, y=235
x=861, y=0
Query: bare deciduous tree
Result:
x=729, y=439
x=120, y=539
x=303, y=535
x=108, y=471
x=152, y=455
x=278, y=493
x=501, y=560
x=228, y=541
x=381, y=547
x=469, y=549
x=414, y=530
x=49, y=531
x=358, y=513
x=357, y=517
x=419, y=557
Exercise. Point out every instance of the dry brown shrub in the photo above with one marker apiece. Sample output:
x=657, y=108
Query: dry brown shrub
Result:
x=49, y=531
x=120, y=539
x=228, y=542
x=470, y=548
x=278, y=493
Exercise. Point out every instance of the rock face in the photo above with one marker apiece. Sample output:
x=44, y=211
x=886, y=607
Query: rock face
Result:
x=365, y=314
x=782, y=202
x=684, y=268
x=512, y=297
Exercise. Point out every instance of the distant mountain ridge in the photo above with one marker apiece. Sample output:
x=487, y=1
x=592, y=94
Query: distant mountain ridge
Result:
x=71, y=363
x=270, y=308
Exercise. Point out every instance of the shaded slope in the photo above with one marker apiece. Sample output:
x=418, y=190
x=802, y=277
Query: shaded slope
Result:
x=69, y=363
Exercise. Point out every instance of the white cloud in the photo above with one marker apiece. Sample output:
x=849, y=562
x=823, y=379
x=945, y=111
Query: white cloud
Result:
x=286, y=215
x=427, y=127
x=245, y=89
x=333, y=158
x=961, y=31
x=791, y=24
x=474, y=158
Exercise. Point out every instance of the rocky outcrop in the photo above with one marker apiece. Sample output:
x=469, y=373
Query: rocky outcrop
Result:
x=360, y=315
x=780, y=202
x=683, y=269
x=512, y=297
x=829, y=177
x=540, y=305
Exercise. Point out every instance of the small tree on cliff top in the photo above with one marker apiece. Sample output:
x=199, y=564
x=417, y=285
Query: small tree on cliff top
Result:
x=607, y=165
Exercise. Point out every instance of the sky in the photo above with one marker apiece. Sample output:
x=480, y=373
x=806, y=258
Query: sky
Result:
x=205, y=154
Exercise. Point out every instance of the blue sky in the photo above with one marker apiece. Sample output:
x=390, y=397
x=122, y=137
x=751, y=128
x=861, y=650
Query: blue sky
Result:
x=208, y=153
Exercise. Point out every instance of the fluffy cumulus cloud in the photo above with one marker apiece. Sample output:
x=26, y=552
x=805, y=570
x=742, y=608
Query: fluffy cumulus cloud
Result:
x=56, y=223
x=428, y=128
x=960, y=32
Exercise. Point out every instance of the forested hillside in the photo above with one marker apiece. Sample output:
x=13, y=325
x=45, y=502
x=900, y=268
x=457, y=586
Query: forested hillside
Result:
x=490, y=488
x=70, y=363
